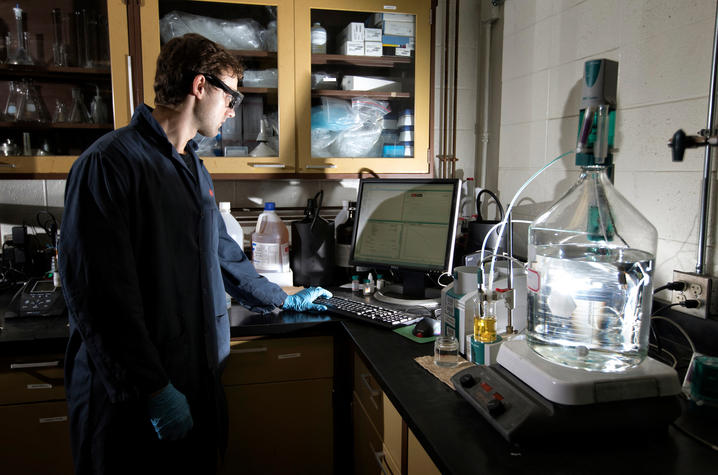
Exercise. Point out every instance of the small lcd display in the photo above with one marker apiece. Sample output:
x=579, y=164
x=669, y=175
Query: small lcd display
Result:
x=43, y=286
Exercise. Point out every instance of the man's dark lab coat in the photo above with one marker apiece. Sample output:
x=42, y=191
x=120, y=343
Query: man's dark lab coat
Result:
x=145, y=259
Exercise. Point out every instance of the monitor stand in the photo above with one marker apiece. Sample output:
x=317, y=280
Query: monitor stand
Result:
x=411, y=293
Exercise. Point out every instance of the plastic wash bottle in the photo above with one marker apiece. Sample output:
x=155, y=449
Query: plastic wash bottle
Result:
x=270, y=242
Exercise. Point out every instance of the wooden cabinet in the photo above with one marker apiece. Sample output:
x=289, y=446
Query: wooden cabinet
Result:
x=335, y=147
x=383, y=443
x=74, y=54
x=35, y=436
x=279, y=393
x=272, y=134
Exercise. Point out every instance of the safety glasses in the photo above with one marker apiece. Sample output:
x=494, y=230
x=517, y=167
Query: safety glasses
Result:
x=216, y=82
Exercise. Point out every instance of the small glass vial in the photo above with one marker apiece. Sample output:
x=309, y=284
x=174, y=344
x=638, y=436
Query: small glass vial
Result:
x=379, y=282
x=355, y=283
x=319, y=39
x=368, y=287
x=487, y=322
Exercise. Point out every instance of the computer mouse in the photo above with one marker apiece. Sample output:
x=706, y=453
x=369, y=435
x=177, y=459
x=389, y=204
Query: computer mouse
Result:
x=427, y=327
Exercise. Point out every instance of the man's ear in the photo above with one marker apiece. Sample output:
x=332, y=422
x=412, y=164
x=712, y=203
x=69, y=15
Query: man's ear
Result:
x=199, y=86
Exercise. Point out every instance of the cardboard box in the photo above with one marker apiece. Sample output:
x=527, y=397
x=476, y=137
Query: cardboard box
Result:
x=352, y=48
x=372, y=34
x=401, y=28
x=367, y=83
x=398, y=41
x=352, y=32
x=379, y=18
x=373, y=48
x=394, y=51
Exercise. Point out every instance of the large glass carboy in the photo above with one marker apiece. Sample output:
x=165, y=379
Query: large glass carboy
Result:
x=591, y=262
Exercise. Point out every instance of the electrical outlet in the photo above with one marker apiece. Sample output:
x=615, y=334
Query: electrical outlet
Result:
x=698, y=287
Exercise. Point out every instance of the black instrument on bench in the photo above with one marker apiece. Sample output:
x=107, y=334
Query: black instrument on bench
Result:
x=366, y=312
x=38, y=298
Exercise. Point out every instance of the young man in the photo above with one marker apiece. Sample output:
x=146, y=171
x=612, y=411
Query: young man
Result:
x=145, y=260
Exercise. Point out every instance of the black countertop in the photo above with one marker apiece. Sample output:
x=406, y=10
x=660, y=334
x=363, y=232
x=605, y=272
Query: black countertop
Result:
x=456, y=437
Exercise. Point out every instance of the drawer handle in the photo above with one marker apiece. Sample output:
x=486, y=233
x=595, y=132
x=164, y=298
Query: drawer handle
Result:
x=8, y=165
x=267, y=165
x=288, y=356
x=326, y=165
x=249, y=350
x=374, y=393
x=46, y=420
x=379, y=456
x=40, y=364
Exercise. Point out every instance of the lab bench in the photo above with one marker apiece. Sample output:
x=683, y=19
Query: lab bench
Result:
x=448, y=429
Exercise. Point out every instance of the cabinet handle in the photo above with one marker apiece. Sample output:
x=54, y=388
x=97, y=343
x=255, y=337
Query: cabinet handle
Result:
x=267, y=165
x=373, y=393
x=45, y=420
x=129, y=85
x=39, y=364
x=248, y=350
x=8, y=165
x=325, y=165
x=379, y=456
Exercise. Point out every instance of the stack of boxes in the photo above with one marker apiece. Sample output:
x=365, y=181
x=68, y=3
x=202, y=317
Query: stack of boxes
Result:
x=397, y=32
x=383, y=34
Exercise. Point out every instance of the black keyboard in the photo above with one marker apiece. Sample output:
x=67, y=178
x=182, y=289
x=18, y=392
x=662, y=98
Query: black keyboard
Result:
x=366, y=312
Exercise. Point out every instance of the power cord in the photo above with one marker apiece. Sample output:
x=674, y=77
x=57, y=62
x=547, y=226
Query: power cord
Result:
x=678, y=285
x=691, y=303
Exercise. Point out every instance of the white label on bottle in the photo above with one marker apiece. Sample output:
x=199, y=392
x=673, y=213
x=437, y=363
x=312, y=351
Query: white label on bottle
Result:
x=270, y=257
x=342, y=253
x=31, y=107
x=11, y=110
x=533, y=280
x=319, y=37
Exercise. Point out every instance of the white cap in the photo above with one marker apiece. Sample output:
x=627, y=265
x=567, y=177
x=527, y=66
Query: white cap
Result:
x=225, y=206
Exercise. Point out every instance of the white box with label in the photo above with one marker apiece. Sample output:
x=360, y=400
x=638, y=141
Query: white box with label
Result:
x=373, y=48
x=352, y=32
x=352, y=48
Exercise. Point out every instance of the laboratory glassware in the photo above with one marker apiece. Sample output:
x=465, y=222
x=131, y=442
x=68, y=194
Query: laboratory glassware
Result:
x=60, y=55
x=13, y=101
x=592, y=254
x=98, y=109
x=78, y=110
x=21, y=55
x=60, y=113
x=30, y=107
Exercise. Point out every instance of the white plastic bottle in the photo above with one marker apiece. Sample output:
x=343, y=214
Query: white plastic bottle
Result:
x=234, y=230
x=319, y=39
x=270, y=242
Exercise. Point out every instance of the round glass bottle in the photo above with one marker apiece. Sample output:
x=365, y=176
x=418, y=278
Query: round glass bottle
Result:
x=591, y=262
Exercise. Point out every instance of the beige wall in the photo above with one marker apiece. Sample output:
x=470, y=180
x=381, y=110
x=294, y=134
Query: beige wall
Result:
x=663, y=48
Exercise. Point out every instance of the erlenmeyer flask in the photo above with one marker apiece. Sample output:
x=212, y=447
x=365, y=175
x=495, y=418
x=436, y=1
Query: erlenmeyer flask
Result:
x=98, y=109
x=60, y=113
x=78, y=111
x=30, y=108
x=13, y=101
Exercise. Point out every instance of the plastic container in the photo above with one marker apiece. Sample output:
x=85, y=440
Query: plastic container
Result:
x=319, y=39
x=590, y=278
x=270, y=242
x=233, y=228
x=342, y=216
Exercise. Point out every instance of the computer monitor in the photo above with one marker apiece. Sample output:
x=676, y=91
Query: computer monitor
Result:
x=408, y=226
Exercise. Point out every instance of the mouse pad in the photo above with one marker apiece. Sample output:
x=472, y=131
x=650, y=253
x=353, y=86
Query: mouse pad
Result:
x=406, y=332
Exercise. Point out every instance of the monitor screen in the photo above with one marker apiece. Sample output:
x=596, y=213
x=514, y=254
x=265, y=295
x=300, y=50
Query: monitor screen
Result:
x=406, y=224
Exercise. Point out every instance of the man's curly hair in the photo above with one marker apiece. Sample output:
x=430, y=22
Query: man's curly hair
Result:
x=182, y=58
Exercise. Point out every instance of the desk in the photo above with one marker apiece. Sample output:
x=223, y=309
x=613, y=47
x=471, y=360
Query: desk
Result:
x=456, y=437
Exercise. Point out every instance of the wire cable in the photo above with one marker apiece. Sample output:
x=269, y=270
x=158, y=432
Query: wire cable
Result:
x=680, y=329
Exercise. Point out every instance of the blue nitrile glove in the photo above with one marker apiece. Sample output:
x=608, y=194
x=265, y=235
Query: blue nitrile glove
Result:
x=169, y=414
x=302, y=300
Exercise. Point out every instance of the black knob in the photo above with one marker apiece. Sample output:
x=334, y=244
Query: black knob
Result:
x=678, y=145
x=467, y=380
x=495, y=407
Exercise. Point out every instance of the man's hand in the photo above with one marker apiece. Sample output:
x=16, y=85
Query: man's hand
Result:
x=169, y=414
x=302, y=300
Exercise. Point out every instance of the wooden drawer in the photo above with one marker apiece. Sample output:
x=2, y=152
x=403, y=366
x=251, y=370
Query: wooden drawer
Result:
x=367, y=442
x=392, y=435
x=273, y=360
x=31, y=379
x=369, y=393
x=35, y=438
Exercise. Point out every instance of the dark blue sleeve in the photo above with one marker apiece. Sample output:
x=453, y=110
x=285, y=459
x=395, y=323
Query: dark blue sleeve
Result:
x=99, y=277
x=242, y=281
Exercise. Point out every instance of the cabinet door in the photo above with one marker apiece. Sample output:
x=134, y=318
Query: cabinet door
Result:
x=63, y=82
x=358, y=112
x=35, y=438
x=260, y=139
x=280, y=428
